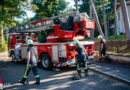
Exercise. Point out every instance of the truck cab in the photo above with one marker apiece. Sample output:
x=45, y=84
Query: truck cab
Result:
x=15, y=39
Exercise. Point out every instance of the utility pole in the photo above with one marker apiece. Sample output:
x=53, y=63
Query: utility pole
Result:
x=91, y=15
x=105, y=23
x=115, y=3
x=97, y=20
x=126, y=21
x=90, y=9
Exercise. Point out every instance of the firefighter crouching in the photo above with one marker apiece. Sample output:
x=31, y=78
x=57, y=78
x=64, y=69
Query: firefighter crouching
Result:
x=102, y=50
x=31, y=63
x=81, y=58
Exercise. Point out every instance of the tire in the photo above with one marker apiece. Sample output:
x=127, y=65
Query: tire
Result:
x=46, y=61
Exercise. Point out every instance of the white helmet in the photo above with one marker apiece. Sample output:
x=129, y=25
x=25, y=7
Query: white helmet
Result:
x=100, y=37
x=76, y=42
x=29, y=42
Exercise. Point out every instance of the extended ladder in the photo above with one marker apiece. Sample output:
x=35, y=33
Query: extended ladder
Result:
x=47, y=24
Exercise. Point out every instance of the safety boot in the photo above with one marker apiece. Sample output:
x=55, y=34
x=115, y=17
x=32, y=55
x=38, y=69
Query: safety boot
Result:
x=79, y=72
x=86, y=72
x=37, y=81
x=24, y=81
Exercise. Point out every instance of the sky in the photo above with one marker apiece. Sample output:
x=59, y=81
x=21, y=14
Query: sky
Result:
x=31, y=14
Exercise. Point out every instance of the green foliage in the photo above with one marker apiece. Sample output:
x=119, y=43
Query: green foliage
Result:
x=84, y=7
x=42, y=36
x=109, y=5
x=9, y=10
x=5, y=44
x=48, y=8
x=114, y=37
x=45, y=9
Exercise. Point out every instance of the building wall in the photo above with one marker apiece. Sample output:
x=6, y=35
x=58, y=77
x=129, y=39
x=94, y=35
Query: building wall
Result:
x=120, y=21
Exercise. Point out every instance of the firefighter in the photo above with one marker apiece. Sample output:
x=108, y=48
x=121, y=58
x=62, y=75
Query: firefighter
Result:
x=102, y=50
x=81, y=58
x=31, y=63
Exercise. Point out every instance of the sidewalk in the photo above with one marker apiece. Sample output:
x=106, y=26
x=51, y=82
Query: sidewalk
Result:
x=4, y=57
x=119, y=72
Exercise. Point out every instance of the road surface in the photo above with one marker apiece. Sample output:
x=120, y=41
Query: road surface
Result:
x=11, y=73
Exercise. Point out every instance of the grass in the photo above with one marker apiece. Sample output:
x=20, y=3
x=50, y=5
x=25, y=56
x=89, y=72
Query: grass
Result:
x=122, y=53
x=122, y=50
x=120, y=37
x=114, y=37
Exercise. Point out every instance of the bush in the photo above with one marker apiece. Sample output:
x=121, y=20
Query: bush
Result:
x=5, y=45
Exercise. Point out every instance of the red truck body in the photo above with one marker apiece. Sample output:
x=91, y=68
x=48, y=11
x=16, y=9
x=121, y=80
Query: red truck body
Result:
x=59, y=49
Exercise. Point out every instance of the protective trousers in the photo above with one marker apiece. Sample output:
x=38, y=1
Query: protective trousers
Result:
x=82, y=63
x=28, y=69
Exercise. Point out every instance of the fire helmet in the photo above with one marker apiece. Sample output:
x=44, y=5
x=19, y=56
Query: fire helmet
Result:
x=76, y=42
x=29, y=42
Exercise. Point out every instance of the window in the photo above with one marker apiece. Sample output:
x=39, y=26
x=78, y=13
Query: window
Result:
x=17, y=37
x=10, y=38
x=118, y=16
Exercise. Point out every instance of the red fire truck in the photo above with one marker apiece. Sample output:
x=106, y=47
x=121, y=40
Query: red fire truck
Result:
x=58, y=51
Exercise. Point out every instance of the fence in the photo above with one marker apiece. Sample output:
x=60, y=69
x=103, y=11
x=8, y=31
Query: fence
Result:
x=113, y=46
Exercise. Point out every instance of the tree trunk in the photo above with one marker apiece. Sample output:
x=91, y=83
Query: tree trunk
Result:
x=105, y=23
x=76, y=3
x=115, y=31
x=97, y=20
x=126, y=21
x=91, y=15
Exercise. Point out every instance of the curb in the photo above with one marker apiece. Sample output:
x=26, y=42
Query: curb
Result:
x=5, y=62
x=111, y=76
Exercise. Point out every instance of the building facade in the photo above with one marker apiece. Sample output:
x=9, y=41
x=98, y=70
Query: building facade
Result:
x=120, y=29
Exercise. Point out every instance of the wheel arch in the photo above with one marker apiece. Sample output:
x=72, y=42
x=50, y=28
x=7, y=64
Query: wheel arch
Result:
x=46, y=54
x=43, y=53
x=11, y=52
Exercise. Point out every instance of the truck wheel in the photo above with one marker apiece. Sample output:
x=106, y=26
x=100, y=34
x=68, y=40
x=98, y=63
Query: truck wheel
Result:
x=46, y=61
x=12, y=56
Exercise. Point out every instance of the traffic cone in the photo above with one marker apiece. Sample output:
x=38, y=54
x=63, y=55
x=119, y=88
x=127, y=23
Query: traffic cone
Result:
x=1, y=85
x=75, y=76
x=76, y=73
x=0, y=81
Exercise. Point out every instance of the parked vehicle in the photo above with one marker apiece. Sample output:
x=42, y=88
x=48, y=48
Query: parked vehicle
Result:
x=58, y=51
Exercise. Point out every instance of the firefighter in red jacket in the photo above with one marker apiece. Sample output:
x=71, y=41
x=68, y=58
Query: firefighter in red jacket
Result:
x=31, y=63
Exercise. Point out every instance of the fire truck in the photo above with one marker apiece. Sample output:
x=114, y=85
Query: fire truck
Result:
x=58, y=51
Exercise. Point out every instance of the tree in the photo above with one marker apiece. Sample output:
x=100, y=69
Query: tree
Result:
x=108, y=6
x=84, y=7
x=126, y=21
x=48, y=8
x=105, y=23
x=9, y=9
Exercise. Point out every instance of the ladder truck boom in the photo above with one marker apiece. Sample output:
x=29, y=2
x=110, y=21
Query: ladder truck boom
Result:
x=47, y=24
x=58, y=51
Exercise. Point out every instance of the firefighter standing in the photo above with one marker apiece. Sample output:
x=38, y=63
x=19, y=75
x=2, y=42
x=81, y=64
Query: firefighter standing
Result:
x=81, y=58
x=102, y=50
x=31, y=63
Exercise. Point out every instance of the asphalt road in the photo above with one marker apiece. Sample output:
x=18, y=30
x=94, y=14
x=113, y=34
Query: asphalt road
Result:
x=10, y=73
